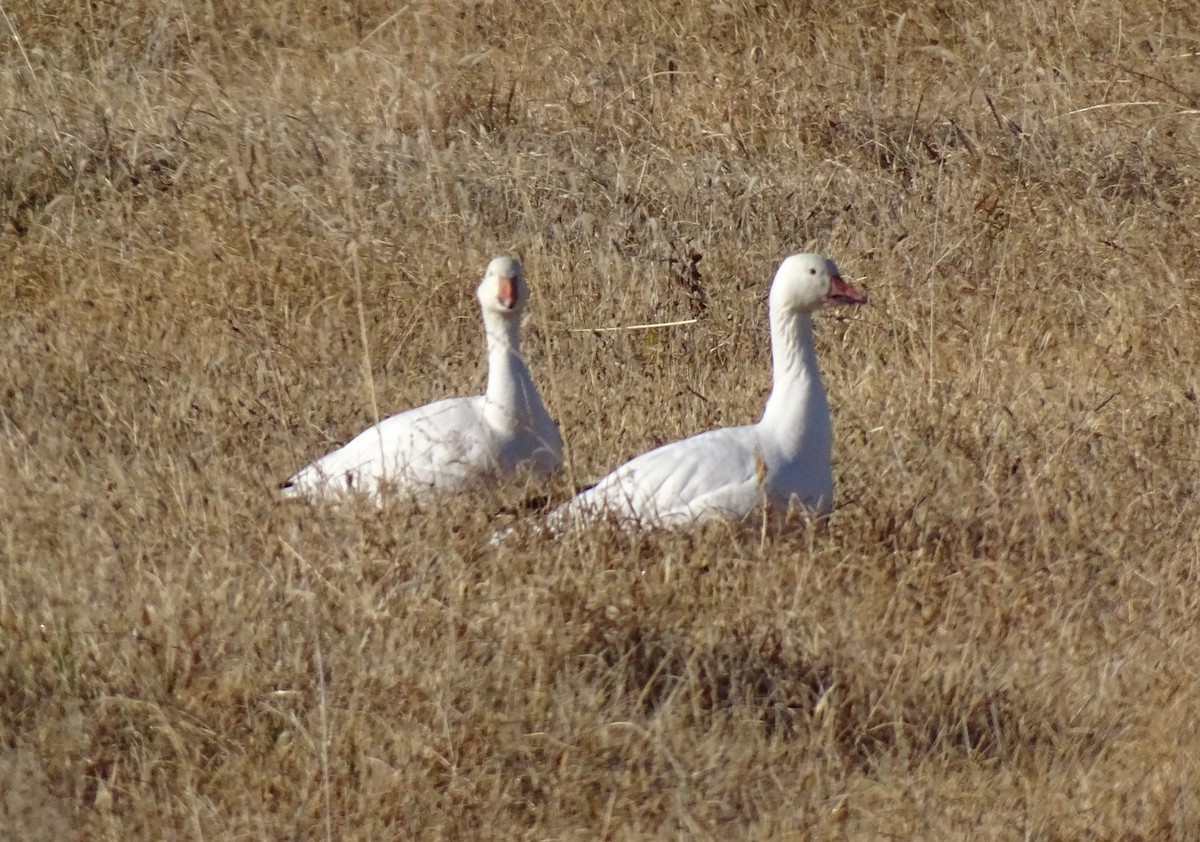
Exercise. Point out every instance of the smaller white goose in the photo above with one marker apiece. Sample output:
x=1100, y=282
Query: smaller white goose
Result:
x=725, y=473
x=454, y=443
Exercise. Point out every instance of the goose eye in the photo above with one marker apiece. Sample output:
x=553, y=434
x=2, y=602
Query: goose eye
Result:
x=812, y=271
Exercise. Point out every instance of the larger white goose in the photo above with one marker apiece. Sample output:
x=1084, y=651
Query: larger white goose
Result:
x=455, y=443
x=725, y=473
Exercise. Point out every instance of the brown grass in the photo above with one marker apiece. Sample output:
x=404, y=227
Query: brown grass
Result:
x=995, y=638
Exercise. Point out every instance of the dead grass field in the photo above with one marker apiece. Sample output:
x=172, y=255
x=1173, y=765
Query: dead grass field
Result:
x=229, y=232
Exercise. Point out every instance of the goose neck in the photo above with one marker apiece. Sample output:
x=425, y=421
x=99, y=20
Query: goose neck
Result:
x=797, y=399
x=793, y=357
x=507, y=376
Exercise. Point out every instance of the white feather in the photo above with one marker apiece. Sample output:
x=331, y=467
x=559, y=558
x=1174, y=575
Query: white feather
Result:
x=453, y=444
x=781, y=460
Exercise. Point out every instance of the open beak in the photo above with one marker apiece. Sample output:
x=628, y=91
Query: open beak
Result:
x=508, y=293
x=841, y=292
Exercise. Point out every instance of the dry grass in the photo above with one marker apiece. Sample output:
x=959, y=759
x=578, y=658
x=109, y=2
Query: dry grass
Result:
x=996, y=636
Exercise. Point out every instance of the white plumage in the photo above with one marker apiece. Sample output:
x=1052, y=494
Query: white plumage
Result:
x=454, y=443
x=725, y=473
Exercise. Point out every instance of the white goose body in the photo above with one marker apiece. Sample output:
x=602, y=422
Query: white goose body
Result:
x=726, y=473
x=456, y=443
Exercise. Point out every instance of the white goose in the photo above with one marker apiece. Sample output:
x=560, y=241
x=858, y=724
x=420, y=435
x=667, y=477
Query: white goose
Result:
x=454, y=443
x=725, y=473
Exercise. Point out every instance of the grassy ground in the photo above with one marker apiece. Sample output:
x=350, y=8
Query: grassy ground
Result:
x=230, y=234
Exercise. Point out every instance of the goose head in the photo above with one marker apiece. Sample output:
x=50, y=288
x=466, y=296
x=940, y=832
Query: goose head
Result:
x=502, y=289
x=807, y=282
